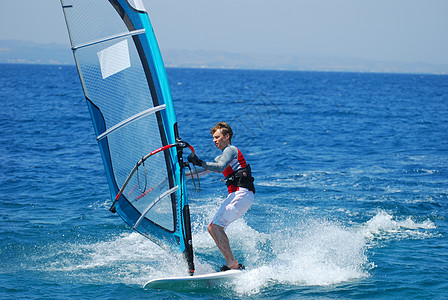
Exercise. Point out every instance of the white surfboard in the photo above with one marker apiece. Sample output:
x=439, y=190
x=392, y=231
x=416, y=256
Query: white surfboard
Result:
x=195, y=282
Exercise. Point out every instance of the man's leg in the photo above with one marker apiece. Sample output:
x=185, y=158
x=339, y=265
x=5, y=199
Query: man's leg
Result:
x=222, y=241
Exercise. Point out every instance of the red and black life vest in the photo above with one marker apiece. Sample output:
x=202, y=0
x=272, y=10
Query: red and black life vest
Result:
x=238, y=174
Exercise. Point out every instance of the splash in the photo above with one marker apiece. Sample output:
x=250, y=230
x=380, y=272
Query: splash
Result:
x=383, y=226
x=318, y=252
x=128, y=258
x=312, y=252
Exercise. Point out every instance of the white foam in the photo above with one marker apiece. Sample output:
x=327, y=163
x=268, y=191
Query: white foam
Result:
x=383, y=226
x=304, y=253
x=313, y=252
x=116, y=258
x=316, y=253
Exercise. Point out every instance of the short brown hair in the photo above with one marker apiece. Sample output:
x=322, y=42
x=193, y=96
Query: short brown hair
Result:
x=225, y=129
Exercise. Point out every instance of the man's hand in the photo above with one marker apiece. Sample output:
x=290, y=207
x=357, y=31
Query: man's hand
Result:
x=194, y=160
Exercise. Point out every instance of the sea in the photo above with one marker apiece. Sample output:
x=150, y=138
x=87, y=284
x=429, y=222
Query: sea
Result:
x=351, y=176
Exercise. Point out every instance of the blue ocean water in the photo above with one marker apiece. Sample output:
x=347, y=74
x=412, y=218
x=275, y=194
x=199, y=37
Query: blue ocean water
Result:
x=351, y=175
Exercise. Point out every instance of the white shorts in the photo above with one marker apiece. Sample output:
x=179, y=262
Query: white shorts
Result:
x=236, y=204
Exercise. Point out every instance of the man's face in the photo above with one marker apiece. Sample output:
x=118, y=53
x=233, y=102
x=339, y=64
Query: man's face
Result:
x=220, y=140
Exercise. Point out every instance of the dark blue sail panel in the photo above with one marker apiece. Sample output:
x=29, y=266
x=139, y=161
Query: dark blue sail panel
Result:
x=128, y=96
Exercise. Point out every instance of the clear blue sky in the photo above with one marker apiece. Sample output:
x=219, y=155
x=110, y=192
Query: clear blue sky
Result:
x=385, y=30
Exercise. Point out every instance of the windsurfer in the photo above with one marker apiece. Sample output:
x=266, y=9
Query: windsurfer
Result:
x=240, y=186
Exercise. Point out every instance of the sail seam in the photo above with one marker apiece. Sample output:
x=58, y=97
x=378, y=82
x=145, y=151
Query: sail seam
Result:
x=131, y=119
x=109, y=38
x=169, y=192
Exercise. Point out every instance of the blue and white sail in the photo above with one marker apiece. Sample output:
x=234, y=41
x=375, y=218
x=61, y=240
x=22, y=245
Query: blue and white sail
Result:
x=128, y=96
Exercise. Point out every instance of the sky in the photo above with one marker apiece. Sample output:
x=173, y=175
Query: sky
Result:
x=381, y=30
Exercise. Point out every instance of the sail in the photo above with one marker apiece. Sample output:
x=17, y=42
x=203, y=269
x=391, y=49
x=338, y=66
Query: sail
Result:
x=129, y=100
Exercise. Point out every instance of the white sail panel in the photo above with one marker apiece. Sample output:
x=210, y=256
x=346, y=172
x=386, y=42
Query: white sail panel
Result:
x=114, y=59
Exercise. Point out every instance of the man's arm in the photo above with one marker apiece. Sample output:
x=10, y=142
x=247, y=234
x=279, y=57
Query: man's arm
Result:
x=222, y=161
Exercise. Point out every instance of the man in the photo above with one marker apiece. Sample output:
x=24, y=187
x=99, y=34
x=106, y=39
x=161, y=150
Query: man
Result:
x=240, y=186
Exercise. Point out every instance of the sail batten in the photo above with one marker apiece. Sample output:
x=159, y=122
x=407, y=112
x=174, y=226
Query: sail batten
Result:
x=128, y=96
x=109, y=38
x=165, y=194
x=131, y=119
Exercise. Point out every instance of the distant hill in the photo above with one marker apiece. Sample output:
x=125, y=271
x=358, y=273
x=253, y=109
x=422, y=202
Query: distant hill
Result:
x=12, y=51
x=228, y=60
